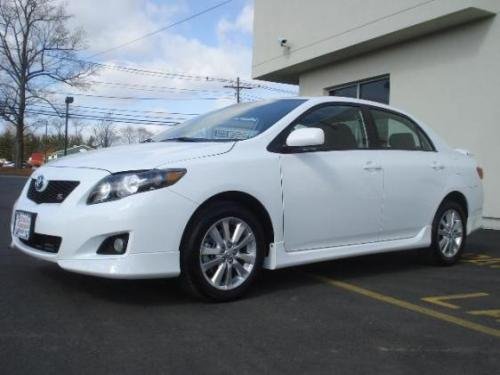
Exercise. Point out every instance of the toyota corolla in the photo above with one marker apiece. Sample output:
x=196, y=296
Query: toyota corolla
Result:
x=257, y=185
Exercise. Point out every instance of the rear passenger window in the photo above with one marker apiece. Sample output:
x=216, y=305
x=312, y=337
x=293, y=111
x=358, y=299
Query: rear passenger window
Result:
x=343, y=126
x=396, y=132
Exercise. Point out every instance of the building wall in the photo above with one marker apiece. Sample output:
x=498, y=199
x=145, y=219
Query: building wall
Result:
x=328, y=29
x=450, y=80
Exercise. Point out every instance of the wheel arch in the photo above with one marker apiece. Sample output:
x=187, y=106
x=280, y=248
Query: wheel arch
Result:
x=457, y=197
x=246, y=200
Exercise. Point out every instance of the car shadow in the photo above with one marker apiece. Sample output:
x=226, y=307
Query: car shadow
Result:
x=170, y=291
x=130, y=292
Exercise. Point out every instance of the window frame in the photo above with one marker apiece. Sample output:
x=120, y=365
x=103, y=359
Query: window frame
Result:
x=420, y=132
x=278, y=144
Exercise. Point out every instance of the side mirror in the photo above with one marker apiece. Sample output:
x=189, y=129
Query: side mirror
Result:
x=306, y=137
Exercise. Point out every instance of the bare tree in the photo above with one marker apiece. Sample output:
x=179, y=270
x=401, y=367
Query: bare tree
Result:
x=128, y=134
x=78, y=127
x=143, y=134
x=58, y=126
x=36, y=50
x=104, y=133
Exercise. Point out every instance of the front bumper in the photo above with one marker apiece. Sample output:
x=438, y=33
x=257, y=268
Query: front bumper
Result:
x=154, y=220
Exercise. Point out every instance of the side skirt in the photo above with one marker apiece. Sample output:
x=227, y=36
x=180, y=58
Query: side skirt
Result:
x=279, y=258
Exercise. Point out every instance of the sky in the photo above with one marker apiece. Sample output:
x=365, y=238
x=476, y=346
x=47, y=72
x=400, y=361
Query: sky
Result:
x=215, y=44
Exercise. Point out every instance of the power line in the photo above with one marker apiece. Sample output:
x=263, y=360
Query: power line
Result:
x=161, y=29
x=107, y=110
x=115, y=113
x=176, y=75
x=154, y=88
x=134, y=97
x=109, y=118
x=115, y=116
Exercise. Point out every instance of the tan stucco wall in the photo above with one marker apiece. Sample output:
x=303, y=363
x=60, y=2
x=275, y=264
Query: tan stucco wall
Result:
x=316, y=28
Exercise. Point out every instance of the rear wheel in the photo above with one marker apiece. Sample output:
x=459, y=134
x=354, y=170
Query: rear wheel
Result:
x=448, y=234
x=223, y=252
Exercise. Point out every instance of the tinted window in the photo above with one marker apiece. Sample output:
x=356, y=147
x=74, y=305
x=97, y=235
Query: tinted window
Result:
x=377, y=91
x=398, y=132
x=236, y=122
x=343, y=126
x=347, y=91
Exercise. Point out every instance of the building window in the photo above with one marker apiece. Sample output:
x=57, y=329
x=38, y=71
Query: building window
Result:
x=375, y=89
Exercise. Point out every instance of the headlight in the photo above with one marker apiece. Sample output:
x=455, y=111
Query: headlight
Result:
x=121, y=185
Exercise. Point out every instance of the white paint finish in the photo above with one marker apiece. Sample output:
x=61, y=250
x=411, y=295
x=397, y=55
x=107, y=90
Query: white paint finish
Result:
x=280, y=258
x=306, y=137
x=449, y=80
x=330, y=199
x=331, y=202
x=323, y=31
x=142, y=155
x=413, y=188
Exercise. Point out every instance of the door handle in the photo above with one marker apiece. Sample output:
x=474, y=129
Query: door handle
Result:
x=437, y=166
x=371, y=166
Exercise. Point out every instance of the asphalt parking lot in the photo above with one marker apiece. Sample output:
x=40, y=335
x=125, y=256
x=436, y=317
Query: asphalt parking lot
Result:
x=386, y=314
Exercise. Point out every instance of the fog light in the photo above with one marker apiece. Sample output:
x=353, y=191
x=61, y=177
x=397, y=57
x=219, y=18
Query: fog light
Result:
x=119, y=245
x=114, y=245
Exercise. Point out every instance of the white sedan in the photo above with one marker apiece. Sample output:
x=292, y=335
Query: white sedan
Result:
x=259, y=185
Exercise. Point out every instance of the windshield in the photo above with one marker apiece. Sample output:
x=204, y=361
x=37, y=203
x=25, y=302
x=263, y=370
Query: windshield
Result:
x=234, y=123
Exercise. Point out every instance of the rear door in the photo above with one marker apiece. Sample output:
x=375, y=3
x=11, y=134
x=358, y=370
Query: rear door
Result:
x=414, y=177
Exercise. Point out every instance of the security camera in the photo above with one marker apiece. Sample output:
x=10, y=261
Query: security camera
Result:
x=283, y=42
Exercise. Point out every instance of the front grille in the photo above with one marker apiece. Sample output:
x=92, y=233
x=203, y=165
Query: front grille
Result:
x=44, y=242
x=55, y=192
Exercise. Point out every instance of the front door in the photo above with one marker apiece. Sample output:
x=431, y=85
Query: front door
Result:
x=332, y=194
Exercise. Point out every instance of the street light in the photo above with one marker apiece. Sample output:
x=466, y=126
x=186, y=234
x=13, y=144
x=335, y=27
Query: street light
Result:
x=69, y=100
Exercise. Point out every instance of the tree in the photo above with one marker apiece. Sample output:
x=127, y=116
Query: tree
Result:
x=36, y=50
x=143, y=134
x=128, y=134
x=78, y=127
x=104, y=133
x=6, y=145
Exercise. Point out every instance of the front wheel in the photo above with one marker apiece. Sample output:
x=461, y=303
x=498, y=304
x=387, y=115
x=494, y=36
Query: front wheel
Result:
x=223, y=252
x=448, y=234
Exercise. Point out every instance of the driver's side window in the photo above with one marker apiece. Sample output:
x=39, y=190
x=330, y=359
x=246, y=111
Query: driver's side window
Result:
x=343, y=126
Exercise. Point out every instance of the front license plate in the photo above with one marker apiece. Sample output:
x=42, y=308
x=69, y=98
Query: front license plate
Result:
x=23, y=225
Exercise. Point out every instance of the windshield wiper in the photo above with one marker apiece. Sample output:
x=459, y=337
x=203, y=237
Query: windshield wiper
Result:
x=184, y=139
x=190, y=139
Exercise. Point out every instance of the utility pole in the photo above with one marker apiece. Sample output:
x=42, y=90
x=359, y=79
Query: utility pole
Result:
x=238, y=87
x=68, y=101
x=46, y=140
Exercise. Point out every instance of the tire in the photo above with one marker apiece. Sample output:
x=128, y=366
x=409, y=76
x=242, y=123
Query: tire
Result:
x=220, y=271
x=448, y=241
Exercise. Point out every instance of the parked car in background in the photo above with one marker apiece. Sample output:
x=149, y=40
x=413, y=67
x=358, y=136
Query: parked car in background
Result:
x=268, y=184
x=36, y=159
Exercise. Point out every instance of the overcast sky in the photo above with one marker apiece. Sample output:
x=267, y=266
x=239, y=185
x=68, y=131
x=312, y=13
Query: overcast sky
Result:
x=218, y=43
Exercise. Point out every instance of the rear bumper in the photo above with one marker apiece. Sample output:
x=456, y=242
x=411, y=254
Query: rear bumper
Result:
x=475, y=221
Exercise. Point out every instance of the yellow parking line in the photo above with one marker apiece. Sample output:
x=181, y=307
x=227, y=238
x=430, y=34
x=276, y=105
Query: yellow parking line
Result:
x=439, y=300
x=412, y=307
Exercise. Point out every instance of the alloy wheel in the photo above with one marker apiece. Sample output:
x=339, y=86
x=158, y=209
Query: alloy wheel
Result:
x=228, y=253
x=450, y=233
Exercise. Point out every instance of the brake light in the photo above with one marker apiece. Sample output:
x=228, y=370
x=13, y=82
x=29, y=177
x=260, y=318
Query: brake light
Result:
x=480, y=172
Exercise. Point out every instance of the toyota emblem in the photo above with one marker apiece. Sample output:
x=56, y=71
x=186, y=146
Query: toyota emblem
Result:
x=40, y=183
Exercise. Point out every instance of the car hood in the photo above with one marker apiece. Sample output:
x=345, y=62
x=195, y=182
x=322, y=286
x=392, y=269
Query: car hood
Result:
x=142, y=156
